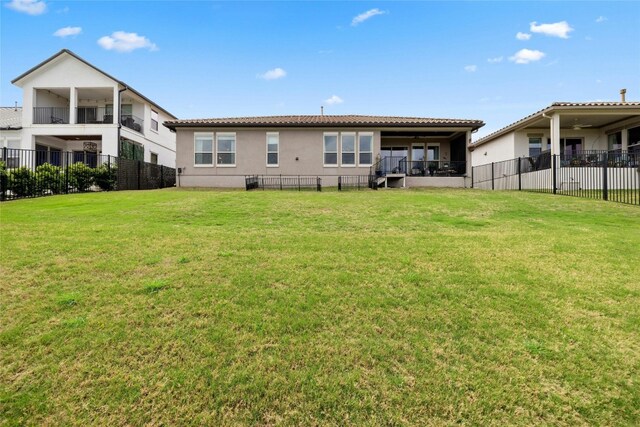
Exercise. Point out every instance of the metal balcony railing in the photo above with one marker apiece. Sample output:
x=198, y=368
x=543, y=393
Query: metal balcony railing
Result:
x=51, y=115
x=94, y=115
x=132, y=122
x=435, y=168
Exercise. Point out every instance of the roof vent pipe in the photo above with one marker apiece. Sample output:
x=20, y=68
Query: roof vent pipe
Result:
x=15, y=108
x=322, y=110
x=623, y=93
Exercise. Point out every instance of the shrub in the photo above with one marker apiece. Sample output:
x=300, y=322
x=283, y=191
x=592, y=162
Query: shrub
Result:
x=21, y=182
x=49, y=178
x=81, y=176
x=106, y=177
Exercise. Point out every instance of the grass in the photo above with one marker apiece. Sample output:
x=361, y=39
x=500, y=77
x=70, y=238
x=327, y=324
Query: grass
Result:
x=285, y=308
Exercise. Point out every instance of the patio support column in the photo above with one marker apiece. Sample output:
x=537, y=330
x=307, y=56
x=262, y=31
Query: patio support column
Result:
x=467, y=153
x=73, y=103
x=116, y=106
x=624, y=133
x=555, y=134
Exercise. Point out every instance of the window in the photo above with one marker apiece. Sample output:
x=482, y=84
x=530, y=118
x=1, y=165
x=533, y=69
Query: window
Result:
x=126, y=110
x=570, y=146
x=535, y=146
x=348, y=146
x=330, y=149
x=154, y=120
x=203, y=149
x=226, y=149
x=153, y=159
x=273, y=149
x=42, y=154
x=433, y=152
x=365, y=149
x=13, y=153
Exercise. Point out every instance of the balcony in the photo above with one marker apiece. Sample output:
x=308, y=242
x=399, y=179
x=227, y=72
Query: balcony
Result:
x=50, y=115
x=94, y=115
x=132, y=122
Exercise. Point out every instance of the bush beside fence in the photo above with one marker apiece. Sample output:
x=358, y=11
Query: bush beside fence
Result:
x=34, y=173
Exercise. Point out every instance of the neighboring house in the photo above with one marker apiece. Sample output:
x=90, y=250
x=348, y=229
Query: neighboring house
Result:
x=564, y=128
x=10, y=127
x=402, y=151
x=71, y=105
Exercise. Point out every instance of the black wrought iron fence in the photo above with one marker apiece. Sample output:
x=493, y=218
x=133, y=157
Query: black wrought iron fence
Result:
x=354, y=182
x=606, y=175
x=283, y=182
x=36, y=173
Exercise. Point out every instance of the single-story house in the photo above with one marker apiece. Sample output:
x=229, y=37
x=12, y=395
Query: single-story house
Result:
x=565, y=129
x=401, y=151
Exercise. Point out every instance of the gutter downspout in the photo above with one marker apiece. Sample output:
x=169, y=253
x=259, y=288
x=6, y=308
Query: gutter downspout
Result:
x=120, y=115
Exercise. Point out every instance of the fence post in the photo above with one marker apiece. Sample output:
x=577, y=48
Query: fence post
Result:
x=519, y=173
x=554, y=175
x=66, y=174
x=109, y=171
x=493, y=186
x=161, y=176
x=605, y=177
x=280, y=182
x=319, y=181
x=139, y=172
x=339, y=183
x=298, y=182
x=472, y=168
x=5, y=181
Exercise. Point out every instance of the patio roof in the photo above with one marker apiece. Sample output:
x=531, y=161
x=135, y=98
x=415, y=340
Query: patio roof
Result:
x=596, y=114
x=325, y=121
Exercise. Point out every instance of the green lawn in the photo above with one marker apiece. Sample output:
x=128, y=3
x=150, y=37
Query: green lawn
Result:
x=392, y=307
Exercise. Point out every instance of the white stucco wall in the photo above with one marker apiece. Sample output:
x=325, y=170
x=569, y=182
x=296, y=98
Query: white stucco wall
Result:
x=502, y=148
x=67, y=72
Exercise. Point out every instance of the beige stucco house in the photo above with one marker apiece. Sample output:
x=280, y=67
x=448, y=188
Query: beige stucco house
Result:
x=566, y=129
x=401, y=151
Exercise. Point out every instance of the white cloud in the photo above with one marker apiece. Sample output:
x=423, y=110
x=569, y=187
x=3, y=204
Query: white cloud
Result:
x=68, y=31
x=30, y=7
x=471, y=68
x=523, y=36
x=335, y=99
x=276, y=73
x=525, y=56
x=126, y=42
x=495, y=60
x=366, y=15
x=558, y=29
x=601, y=19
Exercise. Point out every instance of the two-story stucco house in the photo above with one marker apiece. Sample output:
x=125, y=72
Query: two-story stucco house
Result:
x=401, y=151
x=71, y=105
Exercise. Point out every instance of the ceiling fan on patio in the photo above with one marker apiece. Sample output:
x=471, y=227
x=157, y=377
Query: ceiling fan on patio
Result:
x=578, y=126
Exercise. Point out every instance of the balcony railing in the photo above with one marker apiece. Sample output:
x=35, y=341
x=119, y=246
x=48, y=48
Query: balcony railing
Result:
x=132, y=122
x=51, y=115
x=94, y=115
x=434, y=168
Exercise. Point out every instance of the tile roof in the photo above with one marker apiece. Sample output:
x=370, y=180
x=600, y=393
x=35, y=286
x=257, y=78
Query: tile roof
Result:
x=10, y=118
x=323, y=120
x=555, y=105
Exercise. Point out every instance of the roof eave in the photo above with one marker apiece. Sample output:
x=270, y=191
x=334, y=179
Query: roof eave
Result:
x=120, y=82
x=173, y=126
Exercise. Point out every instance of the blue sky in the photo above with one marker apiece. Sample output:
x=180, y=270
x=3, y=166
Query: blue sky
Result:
x=431, y=59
